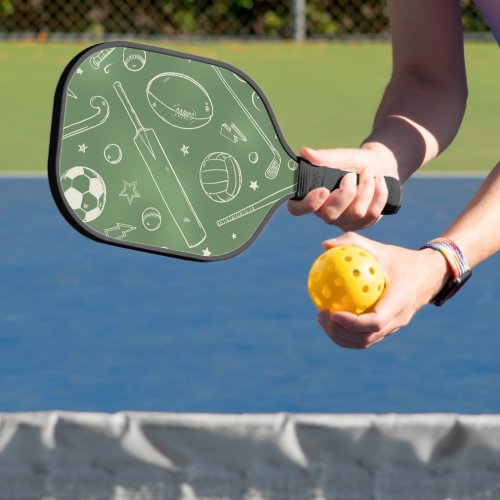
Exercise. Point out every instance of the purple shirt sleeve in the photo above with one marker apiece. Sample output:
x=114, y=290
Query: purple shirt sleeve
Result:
x=490, y=9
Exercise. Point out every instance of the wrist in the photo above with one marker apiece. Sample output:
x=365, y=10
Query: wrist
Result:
x=437, y=272
x=386, y=157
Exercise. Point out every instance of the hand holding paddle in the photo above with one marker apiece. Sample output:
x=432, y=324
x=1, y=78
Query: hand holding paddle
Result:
x=360, y=199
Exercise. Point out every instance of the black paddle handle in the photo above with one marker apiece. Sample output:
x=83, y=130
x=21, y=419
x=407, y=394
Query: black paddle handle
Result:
x=312, y=177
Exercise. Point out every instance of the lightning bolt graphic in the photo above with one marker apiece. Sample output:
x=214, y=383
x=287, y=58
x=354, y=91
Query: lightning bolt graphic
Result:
x=119, y=231
x=233, y=133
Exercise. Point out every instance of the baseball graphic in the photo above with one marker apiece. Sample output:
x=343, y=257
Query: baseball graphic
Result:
x=151, y=219
x=179, y=100
x=134, y=59
x=253, y=157
x=220, y=177
x=85, y=192
x=293, y=165
x=113, y=154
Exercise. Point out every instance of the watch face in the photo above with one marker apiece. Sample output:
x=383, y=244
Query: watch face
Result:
x=451, y=288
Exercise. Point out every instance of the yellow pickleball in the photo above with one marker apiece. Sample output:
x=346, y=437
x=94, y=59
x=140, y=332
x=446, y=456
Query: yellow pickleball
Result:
x=346, y=278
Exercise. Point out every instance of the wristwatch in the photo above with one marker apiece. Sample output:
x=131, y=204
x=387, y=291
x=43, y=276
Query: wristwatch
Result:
x=460, y=270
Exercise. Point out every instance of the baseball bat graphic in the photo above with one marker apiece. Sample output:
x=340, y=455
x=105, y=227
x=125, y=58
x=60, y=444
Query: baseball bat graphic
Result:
x=164, y=177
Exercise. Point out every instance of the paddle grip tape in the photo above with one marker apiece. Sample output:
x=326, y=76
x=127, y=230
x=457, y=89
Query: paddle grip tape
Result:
x=312, y=177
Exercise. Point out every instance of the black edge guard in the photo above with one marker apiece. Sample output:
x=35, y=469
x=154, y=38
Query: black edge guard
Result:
x=312, y=177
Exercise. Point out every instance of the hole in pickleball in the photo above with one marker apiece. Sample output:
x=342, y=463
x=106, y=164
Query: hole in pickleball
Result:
x=372, y=270
x=362, y=254
x=327, y=293
x=366, y=289
x=317, y=276
x=347, y=258
x=360, y=309
x=346, y=299
x=317, y=300
x=339, y=281
x=356, y=273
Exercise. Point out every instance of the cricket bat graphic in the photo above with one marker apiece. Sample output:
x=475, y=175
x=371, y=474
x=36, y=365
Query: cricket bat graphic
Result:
x=164, y=177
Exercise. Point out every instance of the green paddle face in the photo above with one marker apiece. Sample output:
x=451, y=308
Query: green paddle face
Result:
x=172, y=153
x=166, y=152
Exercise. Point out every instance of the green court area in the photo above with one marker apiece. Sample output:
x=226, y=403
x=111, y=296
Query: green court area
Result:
x=323, y=95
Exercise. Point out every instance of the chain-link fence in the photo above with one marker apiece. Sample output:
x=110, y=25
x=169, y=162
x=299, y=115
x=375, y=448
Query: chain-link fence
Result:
x=206, y=18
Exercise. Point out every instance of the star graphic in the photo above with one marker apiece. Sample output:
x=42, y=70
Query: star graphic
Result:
x=82, y=148
x=79, y=71
x=185, y=150
x=130, y=191
x=233, y=236
x=254, y=185
x=207, y=252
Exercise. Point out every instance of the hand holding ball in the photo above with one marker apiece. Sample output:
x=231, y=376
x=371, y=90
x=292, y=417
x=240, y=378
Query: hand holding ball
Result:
x=346, y=278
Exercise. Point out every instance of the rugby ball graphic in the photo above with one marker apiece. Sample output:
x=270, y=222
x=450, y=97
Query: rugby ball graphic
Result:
x=179, y=100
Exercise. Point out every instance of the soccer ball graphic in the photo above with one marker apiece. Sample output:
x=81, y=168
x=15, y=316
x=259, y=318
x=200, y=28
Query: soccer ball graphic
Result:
x=85, y=192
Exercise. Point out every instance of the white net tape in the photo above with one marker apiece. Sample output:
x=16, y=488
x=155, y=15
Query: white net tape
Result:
x=163, y=456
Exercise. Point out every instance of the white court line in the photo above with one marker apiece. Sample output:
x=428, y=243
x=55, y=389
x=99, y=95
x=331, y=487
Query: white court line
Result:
x=23, y=175
x=453, y=174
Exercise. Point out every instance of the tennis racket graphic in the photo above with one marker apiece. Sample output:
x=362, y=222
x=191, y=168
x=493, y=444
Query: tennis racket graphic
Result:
x=201, y=181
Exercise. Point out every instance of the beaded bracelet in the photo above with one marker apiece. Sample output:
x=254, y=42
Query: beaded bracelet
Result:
x=460, y=269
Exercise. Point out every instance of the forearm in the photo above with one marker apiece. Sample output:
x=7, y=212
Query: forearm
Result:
x=416, y=120
x=477, y=230
x=424, y=103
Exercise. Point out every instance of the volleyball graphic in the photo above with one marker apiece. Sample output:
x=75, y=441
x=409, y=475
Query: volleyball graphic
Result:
x=85, y=192
x=220, y=177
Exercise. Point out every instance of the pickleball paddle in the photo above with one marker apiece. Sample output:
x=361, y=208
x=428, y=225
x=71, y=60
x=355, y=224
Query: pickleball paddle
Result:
x=172, y=153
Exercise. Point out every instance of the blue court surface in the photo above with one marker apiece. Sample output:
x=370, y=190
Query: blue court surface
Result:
x=90, y=327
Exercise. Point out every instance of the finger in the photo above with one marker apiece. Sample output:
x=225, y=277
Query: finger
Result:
x=362, y=324
x=338, y=201
x=341, y=340
x=348, y=238
x=380, y=196
x=343, y=343
x=338, y=334
x=338, y=158
x=311, y=203
x=365, y=191
x=362, y=340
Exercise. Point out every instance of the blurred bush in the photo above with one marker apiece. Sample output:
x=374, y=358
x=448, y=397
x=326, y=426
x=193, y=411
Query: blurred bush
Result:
x=214, y=18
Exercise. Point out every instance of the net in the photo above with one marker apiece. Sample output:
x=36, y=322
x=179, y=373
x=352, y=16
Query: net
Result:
x=159, y=456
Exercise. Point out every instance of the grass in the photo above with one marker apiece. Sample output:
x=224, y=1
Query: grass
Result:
x=323, y=94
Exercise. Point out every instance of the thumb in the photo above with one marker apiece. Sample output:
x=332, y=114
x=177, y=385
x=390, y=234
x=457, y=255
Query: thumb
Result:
x=349, y=238
x=339, y=158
